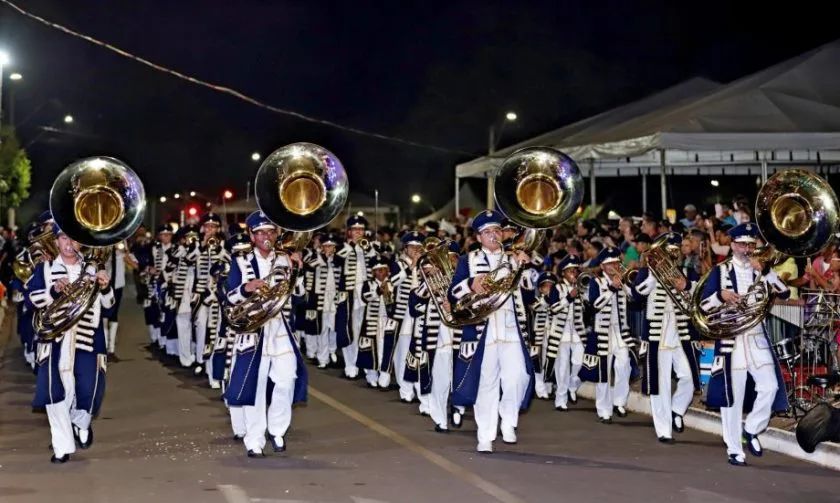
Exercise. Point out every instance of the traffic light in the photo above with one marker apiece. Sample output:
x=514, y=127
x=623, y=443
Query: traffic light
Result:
x=192, y=211
x=228, y=194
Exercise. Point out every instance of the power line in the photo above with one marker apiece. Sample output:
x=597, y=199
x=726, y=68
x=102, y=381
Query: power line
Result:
x=223, y=89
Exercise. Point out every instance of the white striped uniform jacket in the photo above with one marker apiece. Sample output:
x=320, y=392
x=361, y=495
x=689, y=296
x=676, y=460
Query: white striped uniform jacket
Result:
x=180, y=263
x=429, y=322
x=772, y=280
x=319, y=274
x=204, y=260
x=561, y=310
x=350, y=253
x=373, y=301
x=655, y=312
x=85, y=329
x=602, y=305
x=408, y=281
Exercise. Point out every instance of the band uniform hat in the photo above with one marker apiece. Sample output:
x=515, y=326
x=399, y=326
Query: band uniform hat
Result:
x=546, y=277
x=412, y=238
x=454, y=248
x=508, y=225
x=378, y=262
x=164, y=229
x=329, y=239
x=357, y=222
x=568, y=262
x=45, y=217
x=210, y=217
x=674, y=239
x=487, y=219
x=432, y=227
x=238, y=242
x=608, y=256
x=257, y=221
x=744, y=233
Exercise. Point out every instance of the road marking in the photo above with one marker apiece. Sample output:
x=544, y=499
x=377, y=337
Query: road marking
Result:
x=453, y=468
x=235, y=494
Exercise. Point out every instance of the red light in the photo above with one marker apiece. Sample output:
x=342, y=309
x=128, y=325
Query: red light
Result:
x=192, y=211
x=228, y=194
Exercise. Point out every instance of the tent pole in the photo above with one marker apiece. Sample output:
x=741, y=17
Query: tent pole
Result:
x=457, y=199
x=763, y=171
x=663, y=187
x=644, y=192
x=491, y=175
x=593, y=199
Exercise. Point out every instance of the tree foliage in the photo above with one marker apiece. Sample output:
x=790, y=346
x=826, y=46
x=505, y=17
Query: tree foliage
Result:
x=15, y=170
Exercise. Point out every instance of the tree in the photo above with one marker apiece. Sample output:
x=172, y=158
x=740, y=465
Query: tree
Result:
x=15, y=170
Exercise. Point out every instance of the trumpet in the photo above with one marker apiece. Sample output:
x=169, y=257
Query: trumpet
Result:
x=585, y=277
x=387, y=293
x=364, y=244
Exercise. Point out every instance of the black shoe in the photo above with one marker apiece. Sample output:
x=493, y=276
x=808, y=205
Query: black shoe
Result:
x=561, y=408
x=457, y=418
x=666, y=440
x=607, y=420
x=77, y=436
x=753, y=445
x=620, y=411
x=277, y=447
x=238, y=437
x=255, y=454
x=573, y=397
x=677, y=422
x=62, y=459
x=734, y=461
x=438, y=429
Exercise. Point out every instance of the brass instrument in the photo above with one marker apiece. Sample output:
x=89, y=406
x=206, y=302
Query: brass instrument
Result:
x=430, y=243
x=42, y=244
x=98, y=202
x=387, y=292
x=797, y=214
x=536, y=188
x=585, y=276
x=301, y=187
x=364, y=244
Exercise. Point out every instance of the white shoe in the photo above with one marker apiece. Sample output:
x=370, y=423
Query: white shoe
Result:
x=215, y=385
x=508, y=435
x=485, y=447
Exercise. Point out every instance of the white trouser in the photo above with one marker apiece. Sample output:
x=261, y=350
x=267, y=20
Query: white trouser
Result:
x=663, y=404
x=276, y=417
x=606, y=396
x=438, y=399
x=184, y=327
x=761, y=367
x=502, y=369
x=311, y=343
x=202, y=317
x=566, y=368
x=111, y=334
x=64, y=414
x=351, y=352
x=407, y=390
x=154, y=333
x=325, y=343
x=237, y=421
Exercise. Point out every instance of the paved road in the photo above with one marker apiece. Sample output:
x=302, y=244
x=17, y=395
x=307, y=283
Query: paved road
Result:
x=163, y=436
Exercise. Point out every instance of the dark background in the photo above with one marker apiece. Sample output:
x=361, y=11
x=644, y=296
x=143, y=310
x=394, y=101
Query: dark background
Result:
x=437, y=73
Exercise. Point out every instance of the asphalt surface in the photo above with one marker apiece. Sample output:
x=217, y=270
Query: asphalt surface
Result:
x=164, y=436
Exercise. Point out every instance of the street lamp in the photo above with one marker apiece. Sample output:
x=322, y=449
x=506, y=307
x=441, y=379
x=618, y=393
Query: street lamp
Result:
x=415, y=198
x=255, y=156
x=192, y=193
x=715, y=183
x=68, y=119
x=163, y=199
x=177, y=196
x=511, y=116
x=15, y=76
x=227, y=194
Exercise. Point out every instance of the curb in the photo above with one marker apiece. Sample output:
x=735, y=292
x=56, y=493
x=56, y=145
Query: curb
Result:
x=784, y=442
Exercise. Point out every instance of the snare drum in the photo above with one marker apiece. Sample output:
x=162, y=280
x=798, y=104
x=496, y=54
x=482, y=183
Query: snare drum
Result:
x=785, y=350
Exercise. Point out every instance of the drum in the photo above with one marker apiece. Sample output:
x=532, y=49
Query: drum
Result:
x=786, y=350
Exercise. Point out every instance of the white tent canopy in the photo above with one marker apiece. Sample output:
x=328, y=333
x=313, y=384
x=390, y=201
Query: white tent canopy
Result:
x=788, y=114
x=467, y=199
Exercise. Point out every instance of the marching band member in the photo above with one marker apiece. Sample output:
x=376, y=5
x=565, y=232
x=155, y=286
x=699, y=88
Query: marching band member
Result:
x=181, y=268
x=564, y=350
x=493, y=355
x=542, y=322
x=328, y=307
x=435, y=346
x=116, y=270
x=749, y=354
x=412, y=245
x=31, y=254
x=206, y=310
x=667, y=348
x=270, y=355
x=607, y=356
x=355, y=274
x=155, y=303
x=376, y=340
x=77, y=355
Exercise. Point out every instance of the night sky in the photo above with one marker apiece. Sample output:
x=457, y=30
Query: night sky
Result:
x=437, y=73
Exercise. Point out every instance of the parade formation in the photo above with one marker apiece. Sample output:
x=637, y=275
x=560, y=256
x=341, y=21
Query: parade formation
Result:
x=464, y=333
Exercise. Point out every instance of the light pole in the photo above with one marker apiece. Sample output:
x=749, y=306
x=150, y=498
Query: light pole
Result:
x=13, y=77
x=4, y=61
x=492, y=139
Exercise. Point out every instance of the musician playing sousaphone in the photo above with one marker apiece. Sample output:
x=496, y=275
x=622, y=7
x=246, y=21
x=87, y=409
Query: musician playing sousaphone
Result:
x=493, y=355
x=269, y=354
x=668, y=346
x=745, y=370
x=71, y=367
